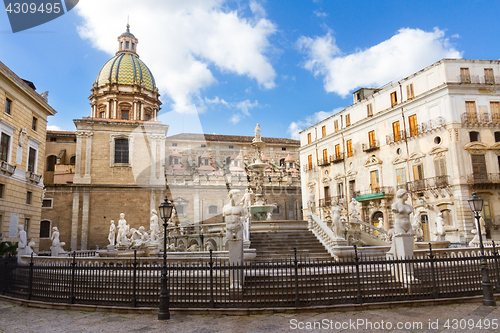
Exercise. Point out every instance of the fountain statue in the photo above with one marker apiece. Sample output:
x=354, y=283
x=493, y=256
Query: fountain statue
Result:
x=259, y=209
x=440, y=232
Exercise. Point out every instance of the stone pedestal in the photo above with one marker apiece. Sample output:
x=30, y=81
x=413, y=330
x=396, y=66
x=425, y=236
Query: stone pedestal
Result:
x=339, y=242
x=235, y=248
x=111, y=247
x=403, y=246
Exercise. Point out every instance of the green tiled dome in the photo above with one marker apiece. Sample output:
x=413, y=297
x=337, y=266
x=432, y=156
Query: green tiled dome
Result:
x=126, y=68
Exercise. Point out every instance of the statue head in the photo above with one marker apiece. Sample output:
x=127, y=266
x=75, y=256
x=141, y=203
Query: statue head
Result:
x=122, y=216
x=401, y=193
x=20, y=227
x=141, y=228
x=154, y=212
x=112, y=222
x=54, y=229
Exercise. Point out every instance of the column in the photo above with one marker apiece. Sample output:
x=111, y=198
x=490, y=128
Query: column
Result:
x=74, y=220
x=162, y=159
x=196, y=206
x=88, y=157
x=135, y=110
x=142, y=111
x=152, y=175
x=78, y=161
x=152, y=201
x=115, y=109
x=107, y=110
x=85, y=220
x=385, y=212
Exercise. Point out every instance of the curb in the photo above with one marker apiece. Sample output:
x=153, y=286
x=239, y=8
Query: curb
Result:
x=245, y=311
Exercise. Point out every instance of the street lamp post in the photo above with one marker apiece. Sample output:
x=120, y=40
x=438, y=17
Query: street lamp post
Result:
x=476, y=206
x=165, y=213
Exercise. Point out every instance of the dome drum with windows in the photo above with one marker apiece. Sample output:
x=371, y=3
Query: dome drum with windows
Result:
x=125, y=88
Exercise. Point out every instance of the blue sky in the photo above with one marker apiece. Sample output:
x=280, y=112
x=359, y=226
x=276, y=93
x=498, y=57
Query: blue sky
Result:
x=231, y=64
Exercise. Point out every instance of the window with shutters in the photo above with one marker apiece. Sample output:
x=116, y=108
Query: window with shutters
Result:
x=495, y=112
x=479, y=168
x=401, y=178
x=470, y=109
x=440, y=172
x=323, y=131
x=309, y=138
x=369, y=110
x=396, y=131
x=32, y=160
x=51, y=162
x=488, y=76
x=418, y=177
x=348, y=120
x=371, y=139
x=413, y=125
x=349, y=148
x=4, y=147
x=394, y=99
x=336, y=125
x=309, y=162
x=8, y=106
x=374, y=181
x=34, y=123
x=337, y=151
x=409, y=91
x=44, y=229
x=325, y=156
x=124, y=114
x=464, y=75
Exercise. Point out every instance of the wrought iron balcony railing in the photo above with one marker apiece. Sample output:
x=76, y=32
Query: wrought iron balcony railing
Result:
x=483, y=178
x=484, y=119
x=478, y=79
x=421, y=128
x=337, y=158
x=374, y=189
x=421, y=185
x=370, y=146
x=323, y=162
x=325, y=202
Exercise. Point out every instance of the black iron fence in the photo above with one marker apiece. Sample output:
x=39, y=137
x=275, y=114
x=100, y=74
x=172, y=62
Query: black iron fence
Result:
x=293, y=282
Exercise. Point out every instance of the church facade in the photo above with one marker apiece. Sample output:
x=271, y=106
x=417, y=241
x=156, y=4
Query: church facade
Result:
x=120, y=160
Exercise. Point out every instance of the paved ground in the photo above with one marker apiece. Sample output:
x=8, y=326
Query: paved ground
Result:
x=22, y=319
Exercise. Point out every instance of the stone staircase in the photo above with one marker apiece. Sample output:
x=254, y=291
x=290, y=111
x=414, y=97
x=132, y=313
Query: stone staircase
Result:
x=276, y=246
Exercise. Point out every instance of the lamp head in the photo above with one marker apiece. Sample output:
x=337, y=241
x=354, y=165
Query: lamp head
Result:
x=475, y=203
x=165, y=209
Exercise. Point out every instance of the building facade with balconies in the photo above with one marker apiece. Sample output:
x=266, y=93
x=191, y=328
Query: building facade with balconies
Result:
x=23, y=124
x=435, y=133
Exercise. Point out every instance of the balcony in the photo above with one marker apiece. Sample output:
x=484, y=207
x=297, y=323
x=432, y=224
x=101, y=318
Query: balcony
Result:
x=308, y=168
x=7, y=168
x=323, y=162
x=484, y=119
x=433, y=185
x=395, y=137
x=325, y=202
x=370, y=146
x=478, y=79
x=424, y=127
x=374, y=192
x=337, y=158
x=64, y=173
x=483, y=178
x=33, y=177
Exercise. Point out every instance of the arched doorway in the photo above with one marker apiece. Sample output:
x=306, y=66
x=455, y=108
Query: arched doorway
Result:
x=375, y=219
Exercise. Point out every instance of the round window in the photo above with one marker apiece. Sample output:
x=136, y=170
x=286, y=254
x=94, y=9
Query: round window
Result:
x=399, y=151
x=437, y=140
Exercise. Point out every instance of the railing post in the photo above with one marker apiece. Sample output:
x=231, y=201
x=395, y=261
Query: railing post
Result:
x=358, y=277
x=134, y=285
x=435, y=293
x=296, y=265
x=211, y=264
x=30, y=279
x=495, y=254
x=73, y=264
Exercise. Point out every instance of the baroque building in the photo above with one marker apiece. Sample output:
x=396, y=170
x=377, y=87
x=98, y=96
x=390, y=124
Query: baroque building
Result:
x=120, y=160
x=435, y=133
x=23, y=123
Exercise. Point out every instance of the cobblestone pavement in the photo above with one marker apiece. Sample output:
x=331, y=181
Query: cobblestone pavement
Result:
x=460, y=318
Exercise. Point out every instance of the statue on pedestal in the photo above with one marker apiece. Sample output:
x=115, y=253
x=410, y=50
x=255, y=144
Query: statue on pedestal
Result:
x=311, y=202
x=440, y=232
x=56, y=250
x=123, y=230
x=154, y=227
x=337, y=228
x=233, y=215
x=402, y=211
x=112, y=234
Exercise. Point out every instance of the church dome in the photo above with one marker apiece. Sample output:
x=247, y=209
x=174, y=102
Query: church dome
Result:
x=126, y=68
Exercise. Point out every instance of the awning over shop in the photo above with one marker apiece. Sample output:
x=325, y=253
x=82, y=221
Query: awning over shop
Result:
x=370, y=196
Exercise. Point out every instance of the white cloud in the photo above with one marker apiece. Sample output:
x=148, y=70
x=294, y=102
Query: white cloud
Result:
x=53, y=128
x=296, y=126
x=246, y=105
x=180, y=41
x=216, y=100
x=320, y=14
x=403, y=54
x=236, y=118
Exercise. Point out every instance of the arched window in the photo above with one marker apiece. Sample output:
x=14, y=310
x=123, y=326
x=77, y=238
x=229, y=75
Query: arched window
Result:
x=282, y=162
x=44, y=229
x=277, y=210
x=72, y=160
x=51, y=162
x=447, y=217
